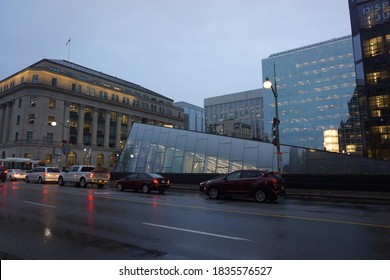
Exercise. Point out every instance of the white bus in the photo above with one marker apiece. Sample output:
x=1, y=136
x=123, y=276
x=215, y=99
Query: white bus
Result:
x=19, y=163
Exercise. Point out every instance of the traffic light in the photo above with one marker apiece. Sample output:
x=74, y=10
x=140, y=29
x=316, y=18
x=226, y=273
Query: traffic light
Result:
x=275, y=137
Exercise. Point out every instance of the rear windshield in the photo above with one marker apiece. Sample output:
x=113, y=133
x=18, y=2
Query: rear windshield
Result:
x=87, y=168
x=155, y=175
x=53, y=170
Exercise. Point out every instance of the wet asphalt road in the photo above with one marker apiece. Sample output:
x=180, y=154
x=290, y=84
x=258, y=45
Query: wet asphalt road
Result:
x=52, y=222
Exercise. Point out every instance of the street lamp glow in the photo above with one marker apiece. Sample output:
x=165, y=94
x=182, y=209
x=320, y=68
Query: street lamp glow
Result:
x=267, y=84
x=53, y=123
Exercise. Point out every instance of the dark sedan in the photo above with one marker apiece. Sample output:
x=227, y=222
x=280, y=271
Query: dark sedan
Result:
x=259, y=184
x=143, y=181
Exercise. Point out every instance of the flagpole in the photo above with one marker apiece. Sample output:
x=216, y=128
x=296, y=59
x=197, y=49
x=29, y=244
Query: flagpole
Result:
x=69, y=43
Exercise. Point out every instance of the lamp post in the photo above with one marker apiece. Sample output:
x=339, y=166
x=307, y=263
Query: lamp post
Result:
x=64, y=142
x=275, y=125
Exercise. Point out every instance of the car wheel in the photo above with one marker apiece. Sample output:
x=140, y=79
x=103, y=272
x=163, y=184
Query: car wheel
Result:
x=83, y=183
x=213, y=193
x=27, y=179
x=10, y=178
x=145, y=189
x=60, y=181
x=119, y=187
x=260, y=196
x=40, y=181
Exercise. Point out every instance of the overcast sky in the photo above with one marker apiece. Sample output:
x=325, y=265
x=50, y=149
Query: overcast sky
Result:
x=187, y=50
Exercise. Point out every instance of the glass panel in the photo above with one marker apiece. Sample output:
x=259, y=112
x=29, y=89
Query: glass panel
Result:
x=224, y=151
x=357, y=48
x=235, y=165
x=168, y=157
x=211, y=164
x=250, y=157
x=157, y=167
x=176, y=164
x=237, y=149
x=141, y=161
x=188, y=162
x=198, y=167
x=212, y=145
x=222, y=166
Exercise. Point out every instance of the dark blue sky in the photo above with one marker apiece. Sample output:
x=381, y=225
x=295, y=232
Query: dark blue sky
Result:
x=187, y=50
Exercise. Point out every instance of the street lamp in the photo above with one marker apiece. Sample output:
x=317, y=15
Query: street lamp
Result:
x=64, y=142
x=275, y=124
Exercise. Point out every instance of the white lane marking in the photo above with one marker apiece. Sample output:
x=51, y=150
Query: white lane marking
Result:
x=198, y=232
x=40, y=204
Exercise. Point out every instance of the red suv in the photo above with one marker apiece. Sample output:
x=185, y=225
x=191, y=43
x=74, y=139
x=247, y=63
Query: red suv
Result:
x=259, y=184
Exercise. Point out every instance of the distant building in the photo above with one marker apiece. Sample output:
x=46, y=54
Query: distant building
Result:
x=233, y=128
x=315, y=86
x=370, y=21
x=195, y=116
x=63, y=113
x=244, y=108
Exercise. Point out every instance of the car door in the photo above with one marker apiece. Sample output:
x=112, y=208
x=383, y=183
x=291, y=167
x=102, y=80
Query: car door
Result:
x=231, y=184
x=248, y=181
x=129, y=181
x=33, y=176
x=142, y=179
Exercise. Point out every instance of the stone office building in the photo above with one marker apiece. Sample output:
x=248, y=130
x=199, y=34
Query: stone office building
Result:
x=63, y=114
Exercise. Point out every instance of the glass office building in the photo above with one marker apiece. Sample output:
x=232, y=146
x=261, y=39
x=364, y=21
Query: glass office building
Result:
x=315, y=86
x=168, y=150
x=194, y=115
x=243, y=107
x=370, y=21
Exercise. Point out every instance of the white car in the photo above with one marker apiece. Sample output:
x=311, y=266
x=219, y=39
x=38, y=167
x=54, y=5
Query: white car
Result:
x=16, y=174
x=43, y=174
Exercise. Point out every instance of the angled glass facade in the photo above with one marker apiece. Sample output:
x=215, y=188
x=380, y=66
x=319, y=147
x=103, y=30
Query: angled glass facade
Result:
x=167, y=150
x=315, y=86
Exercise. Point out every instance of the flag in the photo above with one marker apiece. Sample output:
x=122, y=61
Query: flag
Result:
x=68, y=41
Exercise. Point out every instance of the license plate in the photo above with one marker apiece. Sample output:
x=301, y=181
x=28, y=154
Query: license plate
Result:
x=163, y=181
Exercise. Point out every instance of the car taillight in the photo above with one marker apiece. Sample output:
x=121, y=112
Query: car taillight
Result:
x=155, y=181
x=90, y=175
x=168, y=182
x=45, y=174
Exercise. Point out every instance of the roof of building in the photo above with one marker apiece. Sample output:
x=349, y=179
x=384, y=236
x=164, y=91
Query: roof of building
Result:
x=100, y=75
x=312, y=46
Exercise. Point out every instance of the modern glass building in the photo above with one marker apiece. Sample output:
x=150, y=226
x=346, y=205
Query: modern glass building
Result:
x=242, y=107
x=315, y=85
x=370, y=21
x=168, y=150
x=194, y=115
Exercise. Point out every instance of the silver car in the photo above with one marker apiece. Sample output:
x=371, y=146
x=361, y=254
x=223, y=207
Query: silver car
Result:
x=16, y=174
x=43, y=174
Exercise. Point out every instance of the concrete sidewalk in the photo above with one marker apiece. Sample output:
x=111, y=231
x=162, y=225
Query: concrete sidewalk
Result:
x=312, y=193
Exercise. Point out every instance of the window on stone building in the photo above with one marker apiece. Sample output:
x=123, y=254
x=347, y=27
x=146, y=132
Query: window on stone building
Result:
x=52, y=104
x=33, y=101
x=31, y=118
